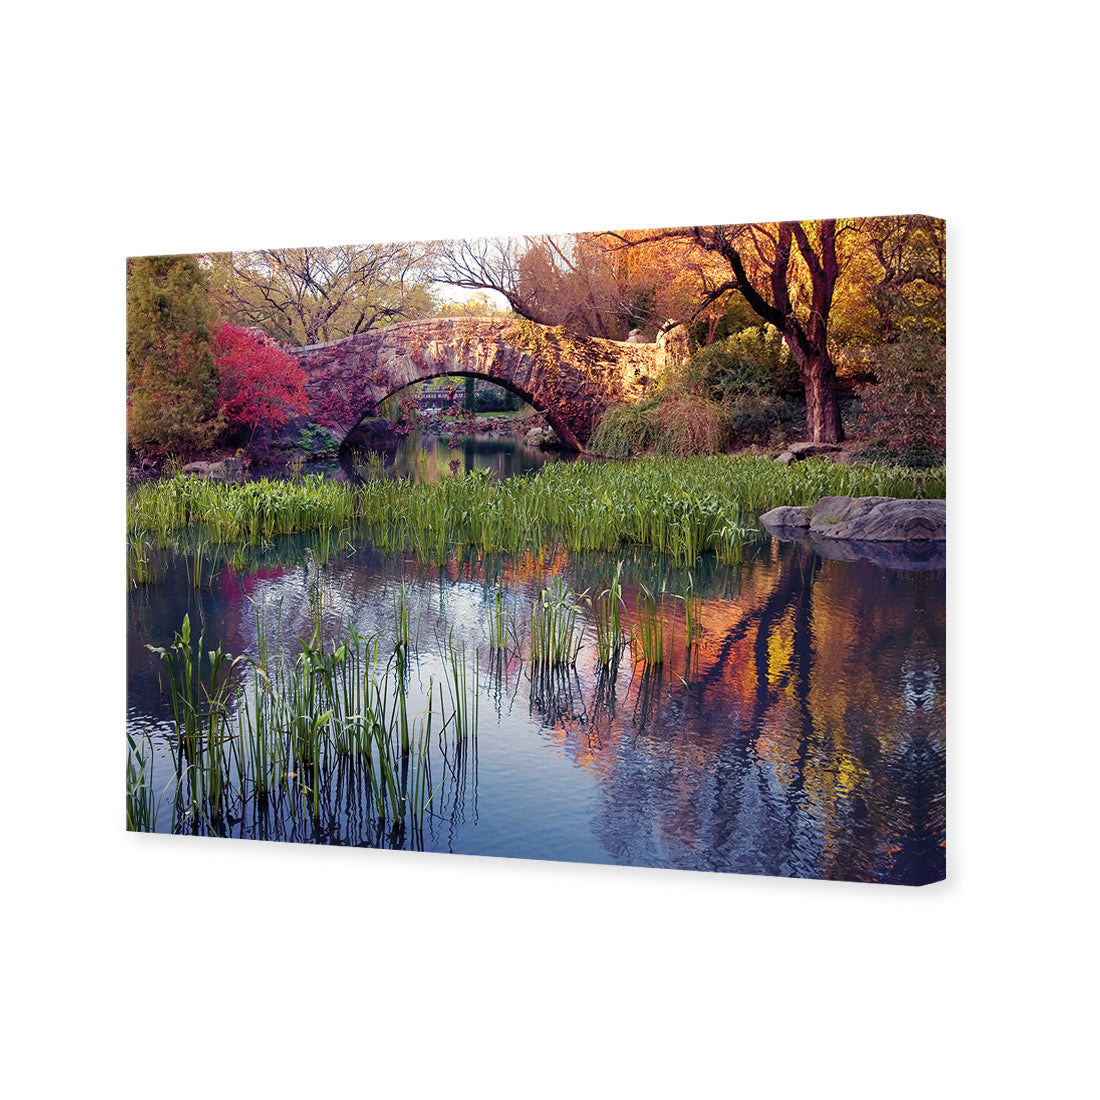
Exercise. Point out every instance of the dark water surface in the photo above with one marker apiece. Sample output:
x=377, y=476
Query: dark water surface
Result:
x=424, y=455
x=803, y=735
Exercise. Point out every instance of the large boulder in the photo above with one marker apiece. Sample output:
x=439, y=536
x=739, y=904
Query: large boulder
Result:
x=879, y=519
x=545, y=439
x=789, y=517
x=895, y=534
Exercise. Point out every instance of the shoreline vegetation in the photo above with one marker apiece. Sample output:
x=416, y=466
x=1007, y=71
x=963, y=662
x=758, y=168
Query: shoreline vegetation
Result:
x=278, y=741
x=289, y=742
x=679, y=507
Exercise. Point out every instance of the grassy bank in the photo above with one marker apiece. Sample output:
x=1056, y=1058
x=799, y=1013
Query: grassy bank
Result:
x=680, y=507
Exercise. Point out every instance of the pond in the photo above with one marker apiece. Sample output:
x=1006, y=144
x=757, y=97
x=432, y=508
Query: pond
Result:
x=784, y=717
x=425, y=455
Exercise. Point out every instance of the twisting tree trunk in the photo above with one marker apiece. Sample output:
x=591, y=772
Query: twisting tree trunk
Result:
x=770, y=297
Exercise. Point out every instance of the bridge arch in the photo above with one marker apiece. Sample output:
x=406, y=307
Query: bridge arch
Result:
x=570, y=379
x=511, y=387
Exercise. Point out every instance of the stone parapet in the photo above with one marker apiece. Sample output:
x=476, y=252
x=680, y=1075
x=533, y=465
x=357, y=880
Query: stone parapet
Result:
x=570, y=379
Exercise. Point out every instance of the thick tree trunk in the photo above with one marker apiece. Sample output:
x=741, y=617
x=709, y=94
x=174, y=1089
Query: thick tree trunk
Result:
x=822, y=409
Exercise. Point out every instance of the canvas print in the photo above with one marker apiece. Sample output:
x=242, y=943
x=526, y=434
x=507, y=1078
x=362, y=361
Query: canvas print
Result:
x=618, y=547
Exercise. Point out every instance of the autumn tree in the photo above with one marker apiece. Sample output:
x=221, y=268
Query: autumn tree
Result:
x=260, y=384
x=571, y=280
x=904, y=411
x=171, y=375
x=787, y=272
x=669, y=275
x=305, y=296
x=604, y=284
x=912, y=254
x=822, y=285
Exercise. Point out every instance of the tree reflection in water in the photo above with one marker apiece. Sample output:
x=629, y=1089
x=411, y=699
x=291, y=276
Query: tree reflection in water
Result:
x=808, y=739
x=801, y=735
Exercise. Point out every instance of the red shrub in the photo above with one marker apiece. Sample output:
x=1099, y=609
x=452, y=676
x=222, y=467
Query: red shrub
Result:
x=260, y=383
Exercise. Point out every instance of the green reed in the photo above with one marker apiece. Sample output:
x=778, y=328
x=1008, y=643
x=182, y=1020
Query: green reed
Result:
x=199, y=701
x=650, y=631
x=502, y=623
x=200, y=706
x=693, y=613
x=141, y=806
x=201, y=571
x=139, y=562
x=368, y=466
x=463, y=690
x=404, y=639
x=606, y=615
x=299, y=734
x=555, y=637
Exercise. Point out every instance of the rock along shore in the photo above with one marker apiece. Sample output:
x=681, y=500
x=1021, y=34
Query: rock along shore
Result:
x=897, y=534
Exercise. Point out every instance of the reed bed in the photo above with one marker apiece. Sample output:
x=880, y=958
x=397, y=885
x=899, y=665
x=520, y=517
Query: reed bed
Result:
x=556, y=632
x=313, y=742
x=679, y=507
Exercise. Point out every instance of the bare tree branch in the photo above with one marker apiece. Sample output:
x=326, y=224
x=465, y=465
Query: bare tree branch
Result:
x=312, y=295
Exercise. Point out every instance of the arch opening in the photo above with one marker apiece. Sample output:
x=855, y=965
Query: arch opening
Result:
x=426, y=397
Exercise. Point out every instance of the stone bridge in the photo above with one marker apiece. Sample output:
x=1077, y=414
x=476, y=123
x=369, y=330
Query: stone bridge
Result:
x=571, y=379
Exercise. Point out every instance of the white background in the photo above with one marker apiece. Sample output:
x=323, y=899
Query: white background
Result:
x=171, y=967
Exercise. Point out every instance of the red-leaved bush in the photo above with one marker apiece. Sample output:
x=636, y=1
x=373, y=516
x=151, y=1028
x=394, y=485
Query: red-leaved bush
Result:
x=260, y=383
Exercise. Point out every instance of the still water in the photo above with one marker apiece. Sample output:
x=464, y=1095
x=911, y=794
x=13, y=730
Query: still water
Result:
x=802, y=735
x=427, y=456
